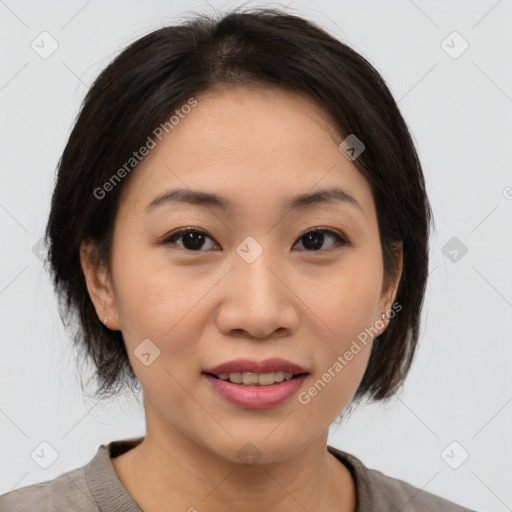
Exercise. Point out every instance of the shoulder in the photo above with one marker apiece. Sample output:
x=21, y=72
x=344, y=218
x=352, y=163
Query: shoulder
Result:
x=69, y=491
x=378, y=491
x=394, y=491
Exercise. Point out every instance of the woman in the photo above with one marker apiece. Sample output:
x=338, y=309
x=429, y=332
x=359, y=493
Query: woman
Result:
x=240, y=225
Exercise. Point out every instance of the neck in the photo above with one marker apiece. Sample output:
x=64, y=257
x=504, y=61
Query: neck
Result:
x=170, y=470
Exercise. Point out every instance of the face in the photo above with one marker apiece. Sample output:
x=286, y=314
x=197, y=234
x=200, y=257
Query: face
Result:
x=255, y=278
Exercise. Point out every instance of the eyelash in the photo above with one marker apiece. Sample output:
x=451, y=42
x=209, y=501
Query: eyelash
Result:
x=339, y=240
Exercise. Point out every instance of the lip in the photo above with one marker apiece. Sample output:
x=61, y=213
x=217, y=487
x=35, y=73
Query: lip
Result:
x=256, y=397
x=247, y=365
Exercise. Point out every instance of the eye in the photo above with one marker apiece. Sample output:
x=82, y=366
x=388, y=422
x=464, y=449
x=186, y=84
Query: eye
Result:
x=193, y=239
x=314, y=239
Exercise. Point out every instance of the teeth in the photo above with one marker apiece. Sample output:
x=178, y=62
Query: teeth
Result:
x=251, y=379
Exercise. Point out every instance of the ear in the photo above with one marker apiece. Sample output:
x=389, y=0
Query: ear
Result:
x=390, y=287
x=99, y=286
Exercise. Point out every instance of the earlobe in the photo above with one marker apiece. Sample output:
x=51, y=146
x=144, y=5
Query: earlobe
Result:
x=98, y=286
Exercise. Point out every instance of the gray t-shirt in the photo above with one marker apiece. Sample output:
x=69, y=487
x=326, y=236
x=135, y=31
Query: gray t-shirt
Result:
x=95, y=487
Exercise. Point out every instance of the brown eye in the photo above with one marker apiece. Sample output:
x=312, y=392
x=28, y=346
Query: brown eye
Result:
x=315, y=239
x=196, y=240
x=192, y=239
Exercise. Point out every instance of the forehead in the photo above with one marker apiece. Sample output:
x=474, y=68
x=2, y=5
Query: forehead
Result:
x=248, y=143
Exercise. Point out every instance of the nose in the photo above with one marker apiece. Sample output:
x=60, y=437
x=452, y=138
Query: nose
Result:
x=257, y=300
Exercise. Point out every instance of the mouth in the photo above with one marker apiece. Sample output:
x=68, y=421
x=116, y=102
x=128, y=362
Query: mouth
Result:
x=249, y=372
x=252, y=390
x=256, y=379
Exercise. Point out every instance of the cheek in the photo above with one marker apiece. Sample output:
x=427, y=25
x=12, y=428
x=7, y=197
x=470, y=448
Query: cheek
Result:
x=163, y=304
x=346, y=299
x=346, y=307
x=153, y=297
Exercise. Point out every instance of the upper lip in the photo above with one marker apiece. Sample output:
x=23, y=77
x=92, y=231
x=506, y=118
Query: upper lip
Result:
x=265, y=366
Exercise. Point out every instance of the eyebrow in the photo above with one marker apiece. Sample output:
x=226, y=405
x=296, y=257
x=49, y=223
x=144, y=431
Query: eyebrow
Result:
x=208, y=199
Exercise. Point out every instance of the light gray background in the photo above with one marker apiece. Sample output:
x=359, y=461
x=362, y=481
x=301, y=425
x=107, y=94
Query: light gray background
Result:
x=459, y=112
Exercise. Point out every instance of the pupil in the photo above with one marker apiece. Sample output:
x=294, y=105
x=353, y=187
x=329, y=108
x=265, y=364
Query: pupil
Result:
x=316, y=237
x=194, y=240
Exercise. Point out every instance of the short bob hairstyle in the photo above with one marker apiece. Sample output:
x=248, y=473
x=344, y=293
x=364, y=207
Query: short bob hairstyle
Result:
x=159, y=73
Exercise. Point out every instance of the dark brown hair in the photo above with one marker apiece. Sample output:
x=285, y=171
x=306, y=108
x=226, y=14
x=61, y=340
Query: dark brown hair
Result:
x=159, y=72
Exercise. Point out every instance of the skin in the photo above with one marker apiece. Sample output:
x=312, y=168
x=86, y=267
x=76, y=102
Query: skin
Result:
x=256, y=147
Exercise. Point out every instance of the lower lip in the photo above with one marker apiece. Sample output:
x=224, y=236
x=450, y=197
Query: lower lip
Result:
x=257, y=397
